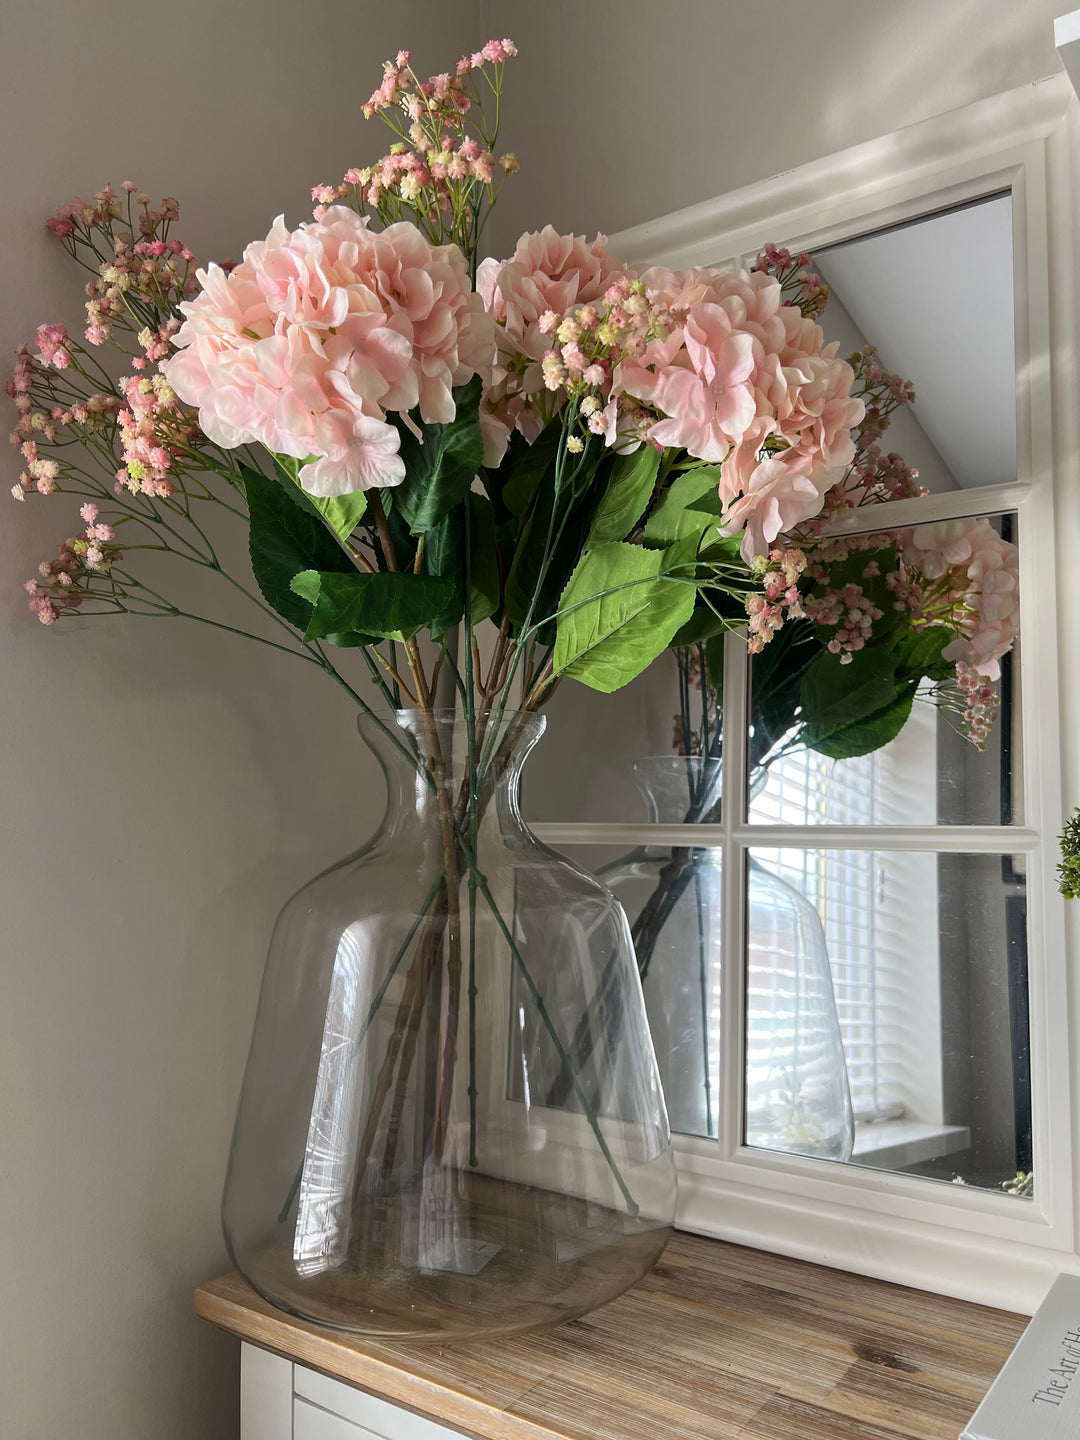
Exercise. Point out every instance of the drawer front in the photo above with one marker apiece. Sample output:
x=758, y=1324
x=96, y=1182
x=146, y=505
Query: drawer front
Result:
x=311, y=1423
x=357, y=1415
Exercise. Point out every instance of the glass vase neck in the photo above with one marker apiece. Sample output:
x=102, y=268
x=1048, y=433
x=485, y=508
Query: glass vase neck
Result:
x=679, y=789
x=435, y=758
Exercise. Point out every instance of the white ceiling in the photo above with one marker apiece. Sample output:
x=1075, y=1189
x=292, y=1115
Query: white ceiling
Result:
x=936, y=298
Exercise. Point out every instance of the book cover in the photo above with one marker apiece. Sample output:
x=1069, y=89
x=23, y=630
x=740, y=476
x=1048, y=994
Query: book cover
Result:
x=1037, y=1394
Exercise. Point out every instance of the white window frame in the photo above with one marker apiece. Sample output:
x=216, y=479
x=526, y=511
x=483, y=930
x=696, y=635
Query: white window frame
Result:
x=975, y=1244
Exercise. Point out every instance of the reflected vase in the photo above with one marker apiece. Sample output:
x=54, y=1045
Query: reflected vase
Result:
x=451, y=1125
x=796, y=1083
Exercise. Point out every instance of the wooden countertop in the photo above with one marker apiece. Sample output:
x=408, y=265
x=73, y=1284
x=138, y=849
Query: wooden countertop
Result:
x=717, y=1341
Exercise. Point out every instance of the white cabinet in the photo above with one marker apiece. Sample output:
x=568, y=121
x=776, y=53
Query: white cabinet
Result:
x=280, y=1400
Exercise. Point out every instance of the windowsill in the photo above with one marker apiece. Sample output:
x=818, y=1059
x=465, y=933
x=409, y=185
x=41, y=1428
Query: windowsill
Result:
x=896, y=1144
x=716, y=1341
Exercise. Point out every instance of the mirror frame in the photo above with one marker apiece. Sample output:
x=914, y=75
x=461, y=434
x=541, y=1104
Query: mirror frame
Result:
x=978, y=1245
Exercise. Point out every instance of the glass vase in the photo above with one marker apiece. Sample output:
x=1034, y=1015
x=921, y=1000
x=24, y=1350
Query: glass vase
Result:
x=797, y=1094
x=438, y=1136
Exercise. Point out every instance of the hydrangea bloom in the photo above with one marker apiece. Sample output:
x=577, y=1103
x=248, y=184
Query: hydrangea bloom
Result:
x=307, y=344
x=709, y=361
x=548, y=274
x=747, y=382
x=991, y=564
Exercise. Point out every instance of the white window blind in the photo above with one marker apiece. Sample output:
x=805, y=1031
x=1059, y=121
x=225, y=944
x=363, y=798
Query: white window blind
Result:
x=883, y=956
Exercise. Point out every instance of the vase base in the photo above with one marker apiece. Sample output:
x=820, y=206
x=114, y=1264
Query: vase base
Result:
x=456, y=1258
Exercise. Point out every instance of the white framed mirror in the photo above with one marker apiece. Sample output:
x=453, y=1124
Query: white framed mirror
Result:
x=929, y=873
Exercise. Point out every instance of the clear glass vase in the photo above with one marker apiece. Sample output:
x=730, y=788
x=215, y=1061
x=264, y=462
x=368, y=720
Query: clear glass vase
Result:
x=797, y=1095
x=437, y=1136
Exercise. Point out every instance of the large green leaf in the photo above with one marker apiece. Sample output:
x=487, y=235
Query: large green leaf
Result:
x=440, y=469
x=285, y=538
x=539, y=569
x=835, y=694
x=617, y=614
x=703, y=625
x=630, y=484
x=863, y=736
x=688, y=507
x=530, y=468
x=484, y=593
x=918, y=654
x=776, y=675
x=550, y=542
x=915, y=655
x=341, y=512
x=385, y=605
x=444, y=556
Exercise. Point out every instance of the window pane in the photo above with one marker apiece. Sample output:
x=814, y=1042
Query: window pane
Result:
x=936, y=298
x=617, y=757
x=933, y=772
x=927, y=959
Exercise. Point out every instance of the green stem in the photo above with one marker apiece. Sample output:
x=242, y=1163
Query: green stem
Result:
x=473, y=816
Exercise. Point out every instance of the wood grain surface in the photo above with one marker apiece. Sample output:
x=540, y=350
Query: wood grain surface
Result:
x=717, y=1341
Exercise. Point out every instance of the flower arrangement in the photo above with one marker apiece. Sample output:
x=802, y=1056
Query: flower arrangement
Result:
x=602, y=461
x=595, y=462
x=599, y=462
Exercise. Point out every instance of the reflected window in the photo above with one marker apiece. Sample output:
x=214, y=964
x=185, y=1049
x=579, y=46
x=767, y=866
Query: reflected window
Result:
x=884, y=975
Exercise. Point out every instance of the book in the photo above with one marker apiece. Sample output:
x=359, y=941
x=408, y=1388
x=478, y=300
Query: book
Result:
x=1037, y=1394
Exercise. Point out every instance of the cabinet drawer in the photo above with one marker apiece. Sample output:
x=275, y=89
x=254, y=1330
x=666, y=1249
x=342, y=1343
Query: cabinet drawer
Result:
x=311, y=1423
x=357, y=1415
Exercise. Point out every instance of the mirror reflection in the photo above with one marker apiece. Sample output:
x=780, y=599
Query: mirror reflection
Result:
x=926, y=952
x=937, y=298
x=886, y=988
x=930, y=1002
x=930, y=773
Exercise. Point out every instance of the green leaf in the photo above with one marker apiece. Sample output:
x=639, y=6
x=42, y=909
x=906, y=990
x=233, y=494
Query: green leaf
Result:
x=703, y=625
x=714, y=665
x=617, y=614
x=863, y=736
x=776, y=675
x=308, y=584
x=835, y=695
x=532, y=465
x=386, y=605
x=528, y=565
x=685, y=508
x=341, y=512
x=484, y=592
x=539, y=571
x=918, y=654
x=444, y=556
x=285, y=538
x=630, y=484
x=439, y=471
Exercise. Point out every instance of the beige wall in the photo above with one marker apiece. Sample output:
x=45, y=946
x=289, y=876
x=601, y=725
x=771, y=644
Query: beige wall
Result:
x=162, y=788
x=623, y=110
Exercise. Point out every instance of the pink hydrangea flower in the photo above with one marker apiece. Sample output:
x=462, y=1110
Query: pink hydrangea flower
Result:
x=699, y=379
x=991, y=564
x=307, y=344
x=547, y=276
x=747, y=382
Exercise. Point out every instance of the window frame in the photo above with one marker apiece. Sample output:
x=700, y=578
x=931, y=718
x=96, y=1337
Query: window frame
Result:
x=978, y=1245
